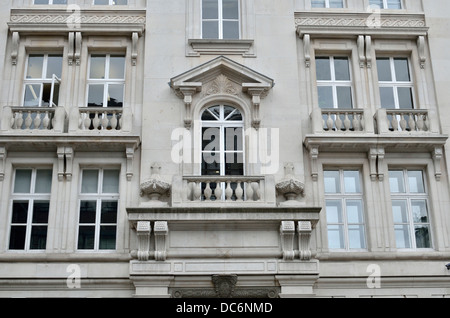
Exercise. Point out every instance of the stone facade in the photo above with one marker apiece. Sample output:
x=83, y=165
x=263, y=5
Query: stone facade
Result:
x=117, y=200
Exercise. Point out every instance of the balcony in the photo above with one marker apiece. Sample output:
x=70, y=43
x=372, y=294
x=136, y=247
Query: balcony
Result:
x=33, y=119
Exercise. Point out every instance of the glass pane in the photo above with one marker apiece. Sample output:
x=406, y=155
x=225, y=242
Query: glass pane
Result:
x=97, y=67
x=117, y=67
x=354, y=211
x=376, y=3
x=405, y=98
x=387, y=97
x=19, y=212
x=342, y=70
x=415, y=181
x=47, y=92
x=331, y=181
x=384, y=69
x=108, y=212
x=231, y=29
x=86, y=237
x=336, y=3
x=17, y=237
x=22, y=182
x=54, y=66
x=419, y=211
x=399, y=211
x=356, y=236
x=32, y=95
x=89, y=183
x=101, y=2
x=334, y=211
x=38, y=240
x=40, y=211
x=351, y=182
x=325, y=94
x=207, y=115
x=210, y=139
x=43, y=181
x=107, y=237
x=401, y=70
x=318, y=3
x=120, y=2
x=210, y=9
x=396, y=182
x=210, y=29
x=323, y=71
x=95, y=95
x=344, y=97
x=233, y=138
x=234, y=164
x=209, y=165
x=402, y=238
x=35, y=66
x=41, y=1
x=59, y=1
x=422, y=233
x=335, y=236
x=111, y=181
x=230, y=9
x=235, y=116
x=115, y=95
x=87, y=211
x=394, y=4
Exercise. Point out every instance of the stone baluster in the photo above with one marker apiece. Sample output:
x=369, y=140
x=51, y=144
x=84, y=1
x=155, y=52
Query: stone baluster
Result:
x=256, y=191
x=87, y=120
x=329, y=122
x=228, y=191
x=113, y=121
x=19, y=120
x=104, y=121
x=37, y=120
x=412, y=122
x=347, y=122
x=46, y=121
x=338, y=122
x=239, y=191
x=218, y=191
x=394, y=122
x=420, y=122
x=249, y=191
x=356, y=122
x=96, y=121
x=207, y=192
x=403, y=122
x=197, y=191
x=28, y=120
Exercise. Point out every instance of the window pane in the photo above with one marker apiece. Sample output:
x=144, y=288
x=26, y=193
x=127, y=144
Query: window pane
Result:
x=107, y=237
x=22, y=182
x=17, y=238
x=332, y=181
x=394, y=4
x=336, y=4
x=384, y=69
x=38, y=240
x=325, y=94
x=334, y=211
x=41, y=1
x=210, y=9
x=422, y=233
x=115, y=95
x=351, y=182
x=318, y=3
x=335, y=236
x=86, y=237
x=108, y=212
x=233, y=138
x=101, y=2
x=234, y=164
x=95, y=95
x=402, y=236
x=120, y=2
x=356, y=236
x=419, y=211
x=231, y=29
x=207, y=115
x=111, y=181
x=323, y=71
x=35, y=65
x=59, y=1
x=210, y=29
x=354, y=211
x=19, y=212
x=43, y=181
x=401, y=70
x=89, y=183
x=97, y=67
x=117, y=67
x=32, y=95
x=230, y=9
x=341, y=67
x=399, y=211
x=377, y=3
x=344, y=97
x=88, y=211
x=40, y=211
x=415, y=181
x=387, y=97
x=405, y=98
x=396, y=181
x=54, y=66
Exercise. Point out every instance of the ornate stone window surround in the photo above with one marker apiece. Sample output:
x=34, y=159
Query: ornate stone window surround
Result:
x=196, y=46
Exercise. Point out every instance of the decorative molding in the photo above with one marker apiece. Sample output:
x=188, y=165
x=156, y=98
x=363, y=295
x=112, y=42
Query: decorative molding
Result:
x=3, y=154
x=287, y=232
x=15, y=47
x=71, y=47
x=161, y=230
x=154, y=188
x=217, y=47
x=437, y=155
x=304, y=240
x=361, y=52
x=307, y=49
x=134, y=50
x=77, y=52
x=290, y=187
x=421, y=49
x=143, y=231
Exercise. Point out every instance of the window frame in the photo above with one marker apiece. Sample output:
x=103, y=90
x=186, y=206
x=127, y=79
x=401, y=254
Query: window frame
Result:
x=50, y=2
x=110, y=3
x=386, y=5
x=327, y=5
x=220, y=20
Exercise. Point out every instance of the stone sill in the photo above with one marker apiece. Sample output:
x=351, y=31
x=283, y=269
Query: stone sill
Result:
x=199, y=47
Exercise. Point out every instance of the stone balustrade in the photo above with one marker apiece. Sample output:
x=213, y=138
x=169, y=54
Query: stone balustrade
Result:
x=406, y=121
x=33, y=119
x=100, y=118
x=332, y=120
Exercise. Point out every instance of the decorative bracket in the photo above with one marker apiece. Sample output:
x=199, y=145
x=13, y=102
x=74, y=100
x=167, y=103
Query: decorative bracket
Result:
x=307, y=49
x=256, y=92
x=65, y=157
x=304, y=239
x=15, y=47
x=134, y=41
x=437, y=156
x=376, y=155
x=143, y=230
x=369, y=51
x=2, y=162
x=161, y=231
x=361, y=53
x=71, y=48
x=287, y=232
x=421, y=49
x=314, y=155
x=130, y=156
x=77, y=52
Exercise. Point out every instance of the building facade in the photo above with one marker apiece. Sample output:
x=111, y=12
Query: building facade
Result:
x=224, y=148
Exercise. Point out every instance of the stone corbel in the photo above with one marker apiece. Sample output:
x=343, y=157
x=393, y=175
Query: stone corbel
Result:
x=2, y=162
x=369, y=51
x=307, y=49
x=134, y=54
x=376, y=155
x=15, y=47
x=161, y=230
x=77, y=52
x=68, y=152
x=61, y=163
x=304, y=240
x=256, y=92
x=143, y=230
x=71, y=48
x=421, y=49
x=361, y=53
x=287, y=232
x=314, y=155
x=129, y=151
x=187, y=91
x=65, y=157
x=437, y=156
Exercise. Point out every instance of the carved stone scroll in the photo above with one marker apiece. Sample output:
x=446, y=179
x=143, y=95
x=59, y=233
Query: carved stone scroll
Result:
x=304, y=239
x=143, y=230
x=287, y=232
x=161, y=230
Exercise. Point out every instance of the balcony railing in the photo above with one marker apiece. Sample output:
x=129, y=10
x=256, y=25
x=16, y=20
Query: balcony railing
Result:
x=332, y=120
x=33, y=119
x=406, y=121
x=100, y=118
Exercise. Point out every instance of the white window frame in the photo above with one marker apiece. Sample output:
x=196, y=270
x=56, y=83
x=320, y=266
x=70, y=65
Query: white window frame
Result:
x=343, y=197
x=408, y=197
x=327, y=4
x=110, y=3
x=50, y=2
x=98, y=197
x=220, y=20
x=30, y=197
x=386, y=5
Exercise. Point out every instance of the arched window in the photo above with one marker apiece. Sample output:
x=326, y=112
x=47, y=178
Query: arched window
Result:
x=222, y=141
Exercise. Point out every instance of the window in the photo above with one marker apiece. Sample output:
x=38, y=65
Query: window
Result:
x=42, y=79
x=410, y=209
x=327, y=3
x=386, y=4
x=106, y=80
x=30, y=209
x=99, y=196
x=334, y=85
x=110, y=2
x=396, y=86
x=220, y=19
x=50, y=1
x=344, y=209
